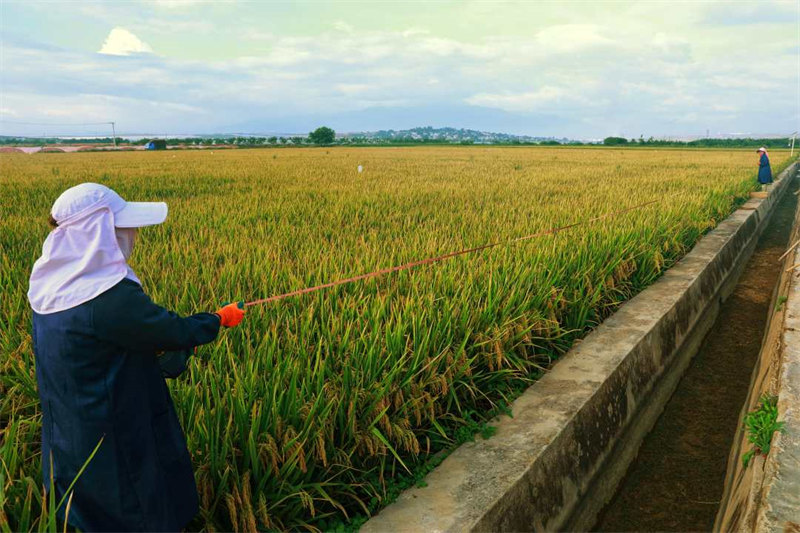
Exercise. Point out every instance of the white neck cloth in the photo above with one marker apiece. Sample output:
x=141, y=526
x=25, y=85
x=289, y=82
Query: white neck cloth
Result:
x=86, y=255
x=80, y=260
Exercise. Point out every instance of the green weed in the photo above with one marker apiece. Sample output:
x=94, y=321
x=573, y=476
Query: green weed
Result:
x=761, y=424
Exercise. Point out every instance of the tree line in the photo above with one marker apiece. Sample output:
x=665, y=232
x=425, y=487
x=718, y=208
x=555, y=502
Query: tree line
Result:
x=780, y=142
x=325, y=136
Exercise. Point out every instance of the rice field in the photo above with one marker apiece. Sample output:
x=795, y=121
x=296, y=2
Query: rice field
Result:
x=319, y=408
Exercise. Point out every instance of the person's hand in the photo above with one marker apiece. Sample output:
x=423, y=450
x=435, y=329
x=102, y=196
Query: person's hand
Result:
x=230, y=314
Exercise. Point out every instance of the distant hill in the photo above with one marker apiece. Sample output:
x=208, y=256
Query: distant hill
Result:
x=449, y=135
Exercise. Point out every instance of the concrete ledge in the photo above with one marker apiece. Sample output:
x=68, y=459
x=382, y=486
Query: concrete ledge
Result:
x=555, y=464
x=779, y=508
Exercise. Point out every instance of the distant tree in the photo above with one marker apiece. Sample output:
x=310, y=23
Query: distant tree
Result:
x=322, y=135
x=272, y=140
x=283, y=140
x=614, y=141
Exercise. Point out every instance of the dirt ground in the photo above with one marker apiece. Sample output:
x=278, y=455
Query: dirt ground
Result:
x=677, y=480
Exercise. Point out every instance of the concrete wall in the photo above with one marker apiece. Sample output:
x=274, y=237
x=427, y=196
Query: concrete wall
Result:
x=765, y=496
x=779, y=508
x=555, y=464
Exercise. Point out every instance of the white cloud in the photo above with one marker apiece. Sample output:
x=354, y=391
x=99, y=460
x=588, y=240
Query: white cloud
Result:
x=172, y=27
x=411, y=32
x=253, y=34
x=121, y=42
x=353, y=89
x=670, y=43
x=546, y=98
x=343, y=26
x=572, y=37
x=447, y=47
x=734, y=81
x=176, y=4
x=131, y=113
x=527, y=101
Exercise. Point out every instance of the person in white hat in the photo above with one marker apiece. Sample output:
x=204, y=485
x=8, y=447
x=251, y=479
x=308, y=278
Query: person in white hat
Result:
x=764, y=170
x=102, y=350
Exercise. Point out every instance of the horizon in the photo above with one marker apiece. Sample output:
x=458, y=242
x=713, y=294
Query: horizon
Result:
x=561, y=70
x=136, y=136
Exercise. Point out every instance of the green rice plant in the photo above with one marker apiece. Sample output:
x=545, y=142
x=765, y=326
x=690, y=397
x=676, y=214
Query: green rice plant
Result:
x=45, y=501
x=313, y=412
x=761, y=424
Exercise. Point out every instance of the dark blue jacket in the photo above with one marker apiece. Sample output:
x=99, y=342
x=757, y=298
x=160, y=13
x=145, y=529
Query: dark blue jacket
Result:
x=764, y=170
x=99, y=376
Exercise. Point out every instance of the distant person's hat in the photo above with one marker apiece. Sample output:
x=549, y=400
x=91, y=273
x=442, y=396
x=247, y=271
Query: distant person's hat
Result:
x=762, y=149
x=88, y=197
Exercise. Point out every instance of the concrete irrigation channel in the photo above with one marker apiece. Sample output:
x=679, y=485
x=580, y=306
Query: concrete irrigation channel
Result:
x=676, y=482
x=567, y=458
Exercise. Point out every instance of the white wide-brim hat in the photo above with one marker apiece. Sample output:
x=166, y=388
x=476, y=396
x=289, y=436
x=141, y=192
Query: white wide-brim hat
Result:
x=140, y=214
x=762, y=149
x=88, y=197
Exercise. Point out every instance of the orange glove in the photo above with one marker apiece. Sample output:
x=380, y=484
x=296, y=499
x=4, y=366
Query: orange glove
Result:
x=230, y=314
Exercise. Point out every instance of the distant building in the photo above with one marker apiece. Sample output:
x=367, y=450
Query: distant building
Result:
x=156, y=144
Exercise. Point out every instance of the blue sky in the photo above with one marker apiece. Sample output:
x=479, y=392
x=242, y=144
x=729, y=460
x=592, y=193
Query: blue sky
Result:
x=575, y=69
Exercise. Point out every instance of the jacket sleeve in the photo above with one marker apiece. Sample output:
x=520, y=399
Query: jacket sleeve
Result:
x=125, y=315
x=173, y=364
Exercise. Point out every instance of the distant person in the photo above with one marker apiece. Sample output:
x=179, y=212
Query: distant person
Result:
x=97, y=338
x=764, y=170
